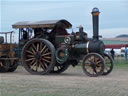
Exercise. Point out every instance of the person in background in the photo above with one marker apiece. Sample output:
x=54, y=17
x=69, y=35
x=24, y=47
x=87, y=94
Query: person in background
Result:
x=112, y=53
x=126, y=53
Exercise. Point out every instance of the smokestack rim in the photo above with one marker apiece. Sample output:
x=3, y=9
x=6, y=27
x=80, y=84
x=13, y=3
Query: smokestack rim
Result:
x=95, y=11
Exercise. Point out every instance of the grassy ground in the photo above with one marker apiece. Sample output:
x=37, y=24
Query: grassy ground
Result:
x=120, y=62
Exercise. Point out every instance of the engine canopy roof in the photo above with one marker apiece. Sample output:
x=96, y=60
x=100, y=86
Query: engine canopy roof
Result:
x=49, y=24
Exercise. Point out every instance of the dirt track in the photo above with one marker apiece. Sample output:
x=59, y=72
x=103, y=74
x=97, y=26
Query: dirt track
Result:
x=73, y=82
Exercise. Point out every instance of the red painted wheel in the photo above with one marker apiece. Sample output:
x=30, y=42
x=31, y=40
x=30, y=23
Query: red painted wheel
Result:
x=38, y=56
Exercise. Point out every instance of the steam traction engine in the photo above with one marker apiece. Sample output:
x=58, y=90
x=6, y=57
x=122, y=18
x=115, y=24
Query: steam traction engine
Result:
x=46, y=47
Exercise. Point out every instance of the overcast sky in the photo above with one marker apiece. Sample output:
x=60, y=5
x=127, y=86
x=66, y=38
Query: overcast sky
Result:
x=113, y=13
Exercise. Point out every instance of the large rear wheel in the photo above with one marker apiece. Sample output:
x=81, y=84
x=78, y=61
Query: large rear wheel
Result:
x=38, y=56
x=93, y=64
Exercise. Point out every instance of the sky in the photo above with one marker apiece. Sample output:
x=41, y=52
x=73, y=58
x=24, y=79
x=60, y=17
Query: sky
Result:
x=113, y=19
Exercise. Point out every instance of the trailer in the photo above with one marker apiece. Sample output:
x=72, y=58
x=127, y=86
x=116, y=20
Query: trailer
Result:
x=8, y=58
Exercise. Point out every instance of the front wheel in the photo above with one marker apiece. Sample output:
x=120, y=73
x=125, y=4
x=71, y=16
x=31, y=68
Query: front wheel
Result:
x=109, y=64
x=93, y=64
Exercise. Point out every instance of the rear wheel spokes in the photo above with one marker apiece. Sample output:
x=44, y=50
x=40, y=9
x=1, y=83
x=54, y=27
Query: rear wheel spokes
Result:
x=32, y=62
x=45, y=60
x=45, y=64
x=43, y=49
x=37, y=48
x=38, y=56
x=37, y=66
x=30, y=56
x=30, y=52
x=33, y=50
x=46, y=54
x=33, y=46
x=30, y=59
x=33, y=65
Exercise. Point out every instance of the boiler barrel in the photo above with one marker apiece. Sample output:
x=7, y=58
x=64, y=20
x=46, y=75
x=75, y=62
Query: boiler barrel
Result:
x=96, y=46
x=90, y=46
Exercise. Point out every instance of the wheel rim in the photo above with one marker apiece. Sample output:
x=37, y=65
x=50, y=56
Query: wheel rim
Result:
x=13, y=66
x=4, y=65
x=93, y=65
x=37, y=56
x=108, y=64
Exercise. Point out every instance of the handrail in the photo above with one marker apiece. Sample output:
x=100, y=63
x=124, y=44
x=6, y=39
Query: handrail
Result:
x=6, y=35
x=6, y=32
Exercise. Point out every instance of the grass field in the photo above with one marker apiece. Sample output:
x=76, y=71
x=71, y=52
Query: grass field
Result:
x=120, y=63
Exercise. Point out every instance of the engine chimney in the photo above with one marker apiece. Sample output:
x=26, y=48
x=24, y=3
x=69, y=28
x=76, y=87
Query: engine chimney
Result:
x=95, y=18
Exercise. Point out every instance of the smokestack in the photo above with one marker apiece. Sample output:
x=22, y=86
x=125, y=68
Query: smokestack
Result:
x=95, y=18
